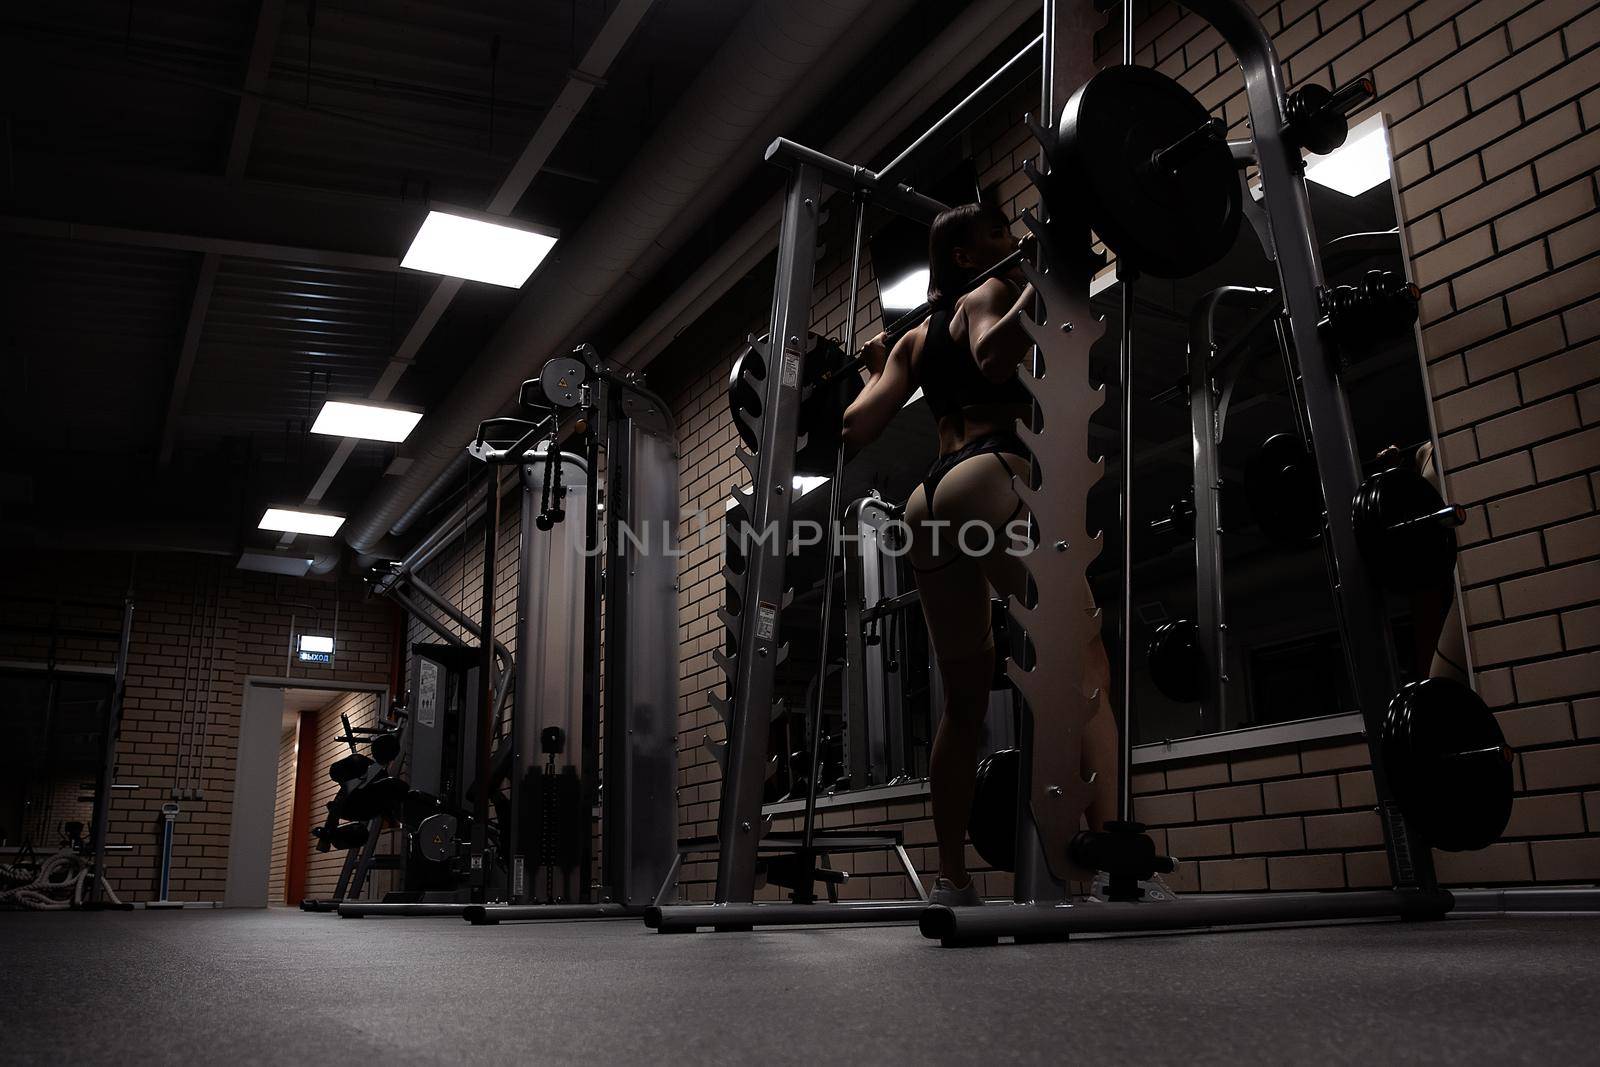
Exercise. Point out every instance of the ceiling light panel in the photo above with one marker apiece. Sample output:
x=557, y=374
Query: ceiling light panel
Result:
x=370, y=422
x=476, y=250
x=297, y=521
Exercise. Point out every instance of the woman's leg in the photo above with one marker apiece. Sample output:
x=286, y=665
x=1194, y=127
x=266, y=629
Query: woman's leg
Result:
x=955, y=604
x=984, y=494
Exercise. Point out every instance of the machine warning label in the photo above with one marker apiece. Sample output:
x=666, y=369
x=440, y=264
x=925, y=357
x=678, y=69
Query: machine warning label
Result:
x=766, y=621
x=427, y=691
x=791, y=370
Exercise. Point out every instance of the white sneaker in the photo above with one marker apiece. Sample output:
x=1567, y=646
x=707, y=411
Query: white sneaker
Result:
x=946, y=893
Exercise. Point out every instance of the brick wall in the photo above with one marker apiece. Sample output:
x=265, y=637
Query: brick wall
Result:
x=282, y=811
x=1494, y=107
x=200, y=629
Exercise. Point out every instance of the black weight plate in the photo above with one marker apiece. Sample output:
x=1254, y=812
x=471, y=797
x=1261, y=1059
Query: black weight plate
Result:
x=993, y=823
x=1447, y=764
x=822, y=409
x=744, y=399
x=385, y=747
x=1176, y=663
x=348, y=835
x=1409, y=556
x=382, y=796
x=1166, y=224
x=349, y=768
x=1284, y=493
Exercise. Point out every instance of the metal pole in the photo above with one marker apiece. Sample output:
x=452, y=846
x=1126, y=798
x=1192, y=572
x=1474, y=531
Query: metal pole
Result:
x=1362, y=613
x=973, y=100
x=805, y=892
x=1125, y=370
x=487, y=709
x=108, y=766
x=760, y=590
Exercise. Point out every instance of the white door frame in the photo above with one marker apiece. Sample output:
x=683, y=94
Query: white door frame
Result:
x=255, y=783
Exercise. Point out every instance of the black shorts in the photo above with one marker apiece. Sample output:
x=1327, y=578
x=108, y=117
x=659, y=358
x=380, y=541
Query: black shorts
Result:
x=1000, y=442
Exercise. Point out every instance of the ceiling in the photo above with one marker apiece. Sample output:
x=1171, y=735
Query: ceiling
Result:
x=202, y=208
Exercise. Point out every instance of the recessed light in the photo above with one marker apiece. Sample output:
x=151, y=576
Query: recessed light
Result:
x=1359, y=164
x=905, y=294
x=298, y=521
x=476, y=250
x=340, y=418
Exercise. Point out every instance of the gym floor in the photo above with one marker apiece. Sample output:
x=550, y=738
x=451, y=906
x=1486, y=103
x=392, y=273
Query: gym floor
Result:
x=253, y=986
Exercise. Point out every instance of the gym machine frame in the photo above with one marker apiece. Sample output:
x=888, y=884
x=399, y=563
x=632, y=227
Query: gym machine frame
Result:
x=105, y=783
x=757, y=593
x=558, y=686
x=1290, y=242
x=359, y=862
x=639, y=587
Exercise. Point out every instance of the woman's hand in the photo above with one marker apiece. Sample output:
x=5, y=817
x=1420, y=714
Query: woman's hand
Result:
x=875, y=352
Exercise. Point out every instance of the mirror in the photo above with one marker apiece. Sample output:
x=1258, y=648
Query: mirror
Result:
x=1280, y=648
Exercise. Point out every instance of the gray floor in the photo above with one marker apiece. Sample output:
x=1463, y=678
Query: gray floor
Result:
x=281, y=986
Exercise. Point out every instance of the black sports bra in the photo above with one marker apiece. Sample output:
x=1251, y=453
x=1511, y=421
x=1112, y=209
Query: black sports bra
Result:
x=950, y=376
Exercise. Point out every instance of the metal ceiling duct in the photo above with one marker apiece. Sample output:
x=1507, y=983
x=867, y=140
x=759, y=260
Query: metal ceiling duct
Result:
x=937, y=69
x=775, y=67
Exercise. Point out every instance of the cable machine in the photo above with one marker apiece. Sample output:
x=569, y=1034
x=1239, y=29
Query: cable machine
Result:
x=591, y=695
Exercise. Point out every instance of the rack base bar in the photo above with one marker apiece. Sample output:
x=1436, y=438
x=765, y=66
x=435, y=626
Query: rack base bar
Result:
x=363, y=910
x=689, y=918
x=492, y=914
x=1542, y=898
x=1039, y=922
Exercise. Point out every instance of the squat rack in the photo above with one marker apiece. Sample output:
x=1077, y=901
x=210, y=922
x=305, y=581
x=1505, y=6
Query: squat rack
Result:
x=757, y=588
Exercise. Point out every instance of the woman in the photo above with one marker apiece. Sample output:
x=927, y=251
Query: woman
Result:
x=968, y=525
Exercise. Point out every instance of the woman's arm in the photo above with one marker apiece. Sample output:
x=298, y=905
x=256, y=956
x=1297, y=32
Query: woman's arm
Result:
x=885, y=394
x=994, y=327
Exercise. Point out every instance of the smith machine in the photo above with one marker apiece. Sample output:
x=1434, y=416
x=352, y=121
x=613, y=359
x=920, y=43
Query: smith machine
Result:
x=1135, y=158
x=588, y=690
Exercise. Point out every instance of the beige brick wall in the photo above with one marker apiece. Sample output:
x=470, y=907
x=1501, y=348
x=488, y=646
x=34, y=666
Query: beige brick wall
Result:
x=200, y=629
x=282, y=811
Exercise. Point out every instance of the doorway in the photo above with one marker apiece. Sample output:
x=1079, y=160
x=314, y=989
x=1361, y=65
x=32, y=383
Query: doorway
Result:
x=288, y=734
